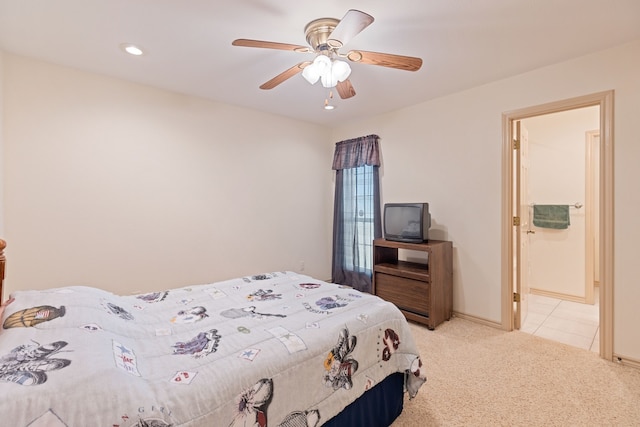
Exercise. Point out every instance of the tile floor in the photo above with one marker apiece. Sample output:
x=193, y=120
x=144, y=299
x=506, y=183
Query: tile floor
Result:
x=568, y=322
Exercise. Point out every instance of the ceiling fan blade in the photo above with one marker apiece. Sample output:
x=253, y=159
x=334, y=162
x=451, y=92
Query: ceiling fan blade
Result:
x=353, y=22
x=345, y=89
x=270, y=45
x=284, y=75
x=408, y=63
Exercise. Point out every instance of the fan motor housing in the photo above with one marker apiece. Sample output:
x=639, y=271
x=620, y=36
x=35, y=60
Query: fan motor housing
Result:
x=318, y=31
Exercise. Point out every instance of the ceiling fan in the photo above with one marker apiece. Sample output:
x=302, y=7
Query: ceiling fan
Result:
x=326, y=36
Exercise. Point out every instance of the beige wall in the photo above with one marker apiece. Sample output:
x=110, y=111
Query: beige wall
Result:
x=106, y=181
x=448, y=152
x=127, y=187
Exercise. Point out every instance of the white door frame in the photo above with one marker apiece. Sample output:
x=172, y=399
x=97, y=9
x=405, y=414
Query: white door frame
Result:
x=592, y=169
x=605, y=101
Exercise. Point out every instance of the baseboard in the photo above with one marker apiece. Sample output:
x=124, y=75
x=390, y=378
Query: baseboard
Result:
x=626, y=361
x=558, y=295
x=480, y=320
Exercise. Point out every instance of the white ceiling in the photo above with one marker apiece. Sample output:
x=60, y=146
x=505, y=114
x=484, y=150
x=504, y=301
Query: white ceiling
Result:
x=463, y=43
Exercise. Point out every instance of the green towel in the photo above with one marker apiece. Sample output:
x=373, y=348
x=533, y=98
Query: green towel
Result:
x=551, y=216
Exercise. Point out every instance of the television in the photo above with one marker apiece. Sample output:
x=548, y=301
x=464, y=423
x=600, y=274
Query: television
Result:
x=406, y=222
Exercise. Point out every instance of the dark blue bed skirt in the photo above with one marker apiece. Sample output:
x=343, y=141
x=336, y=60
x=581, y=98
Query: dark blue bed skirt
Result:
x=378, y=407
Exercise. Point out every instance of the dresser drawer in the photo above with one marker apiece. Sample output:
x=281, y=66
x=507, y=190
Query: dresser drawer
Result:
x=407, y=294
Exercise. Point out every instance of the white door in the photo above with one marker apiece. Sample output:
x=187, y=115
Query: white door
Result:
x=521, y=233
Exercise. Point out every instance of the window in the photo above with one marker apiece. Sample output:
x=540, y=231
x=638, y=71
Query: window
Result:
x=358, y=215
x=356, y=218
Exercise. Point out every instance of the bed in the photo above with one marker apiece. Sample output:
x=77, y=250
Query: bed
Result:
x=272, y=349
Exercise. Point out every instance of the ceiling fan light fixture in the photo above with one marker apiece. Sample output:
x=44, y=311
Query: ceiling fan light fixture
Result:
x=338, y=72
x=325, y=37
x=328, y=71
x=320, y=66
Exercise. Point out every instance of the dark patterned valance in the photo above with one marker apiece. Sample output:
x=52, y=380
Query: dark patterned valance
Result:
x=357, y=152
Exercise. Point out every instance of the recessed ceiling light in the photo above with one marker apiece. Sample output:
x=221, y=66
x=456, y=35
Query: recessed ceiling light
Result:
x=132, y=49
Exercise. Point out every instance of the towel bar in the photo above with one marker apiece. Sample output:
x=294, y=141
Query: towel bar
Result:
x=576, y=205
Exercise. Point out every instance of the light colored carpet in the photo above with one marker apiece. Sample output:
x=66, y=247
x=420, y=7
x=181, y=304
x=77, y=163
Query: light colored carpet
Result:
x=482, y=376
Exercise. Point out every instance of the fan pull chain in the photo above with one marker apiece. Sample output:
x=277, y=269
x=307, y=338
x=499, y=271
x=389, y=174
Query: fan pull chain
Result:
x=328, y=106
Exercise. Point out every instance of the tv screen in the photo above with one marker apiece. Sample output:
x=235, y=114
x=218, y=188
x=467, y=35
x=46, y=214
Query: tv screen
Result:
x=407, y=222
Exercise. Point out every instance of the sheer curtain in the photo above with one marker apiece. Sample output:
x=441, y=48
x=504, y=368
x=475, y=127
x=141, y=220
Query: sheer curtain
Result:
x=356, y=214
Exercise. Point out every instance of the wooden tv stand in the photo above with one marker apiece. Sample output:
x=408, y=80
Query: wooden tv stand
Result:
x=422, y=291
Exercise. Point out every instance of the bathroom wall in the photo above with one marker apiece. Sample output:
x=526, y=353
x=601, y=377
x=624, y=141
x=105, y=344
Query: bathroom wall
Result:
x=557, y=175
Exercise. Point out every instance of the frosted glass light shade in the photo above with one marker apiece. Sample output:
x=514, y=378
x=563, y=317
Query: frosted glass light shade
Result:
x=340, y=70
x=322, y=64
x=310, y=73
x=328, y=71
x=328, y=80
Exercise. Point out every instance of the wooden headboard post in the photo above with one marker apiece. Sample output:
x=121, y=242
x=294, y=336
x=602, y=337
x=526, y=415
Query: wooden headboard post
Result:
x=3, y=260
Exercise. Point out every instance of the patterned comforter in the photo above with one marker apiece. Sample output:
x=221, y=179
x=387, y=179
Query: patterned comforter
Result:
x=276, y=349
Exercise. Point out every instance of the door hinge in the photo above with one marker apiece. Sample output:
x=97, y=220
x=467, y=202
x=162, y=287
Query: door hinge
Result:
x=516, y=144
x=516, y=220
x=516, y=297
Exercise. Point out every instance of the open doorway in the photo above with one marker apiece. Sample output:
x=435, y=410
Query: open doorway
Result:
x=549, y=277
x=558, y=170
